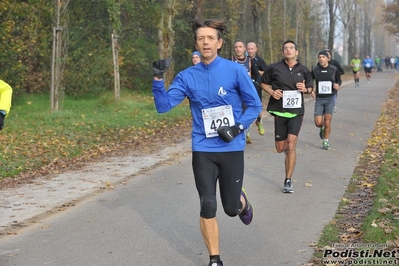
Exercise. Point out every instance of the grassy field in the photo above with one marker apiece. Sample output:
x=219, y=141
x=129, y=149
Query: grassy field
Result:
x=85, y=128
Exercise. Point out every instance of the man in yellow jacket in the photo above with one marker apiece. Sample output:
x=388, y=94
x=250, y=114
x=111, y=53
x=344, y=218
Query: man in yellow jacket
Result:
x=5, y=101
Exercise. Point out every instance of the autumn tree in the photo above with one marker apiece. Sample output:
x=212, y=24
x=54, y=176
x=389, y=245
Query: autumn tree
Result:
x=391, y=17
x=150, y=30
x=25, y=45
x=347, y=14
x=257, y=10
x=368, y=7
x=332, y=7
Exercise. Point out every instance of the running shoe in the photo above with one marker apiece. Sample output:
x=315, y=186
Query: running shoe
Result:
x=321, y=133
x=247, y=214
x=326, y=145
x=288, y=186
x=215, y=264
x=248, y=138
x=261, y=129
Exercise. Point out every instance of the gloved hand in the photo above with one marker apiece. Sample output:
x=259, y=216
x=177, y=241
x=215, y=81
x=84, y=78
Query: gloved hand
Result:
x=227, y=134
x=1, y=121
x=159, y=67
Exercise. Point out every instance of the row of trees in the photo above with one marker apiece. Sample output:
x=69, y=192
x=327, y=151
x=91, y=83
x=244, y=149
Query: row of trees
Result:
x=72, y=44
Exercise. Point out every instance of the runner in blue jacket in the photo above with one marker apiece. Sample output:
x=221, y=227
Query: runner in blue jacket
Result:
x=216, y=89
x=368, y=65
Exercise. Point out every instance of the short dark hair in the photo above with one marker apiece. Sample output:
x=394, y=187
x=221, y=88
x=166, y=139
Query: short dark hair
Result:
x=289, y=41
x=217, y=24
x=238, y=40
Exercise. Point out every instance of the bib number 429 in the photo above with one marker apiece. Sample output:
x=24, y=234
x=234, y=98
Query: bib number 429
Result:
x=215, y=124
x=216, y=117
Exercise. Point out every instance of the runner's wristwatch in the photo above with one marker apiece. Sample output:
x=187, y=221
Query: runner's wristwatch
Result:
x=240, y=127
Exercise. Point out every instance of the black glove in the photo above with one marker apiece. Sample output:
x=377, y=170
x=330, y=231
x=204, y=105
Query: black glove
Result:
x=1, y=121
x=159, y=67
x=227, y=134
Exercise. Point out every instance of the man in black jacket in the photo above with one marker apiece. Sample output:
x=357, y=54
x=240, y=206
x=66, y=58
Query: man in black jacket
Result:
x=241, y=58
x=260, y=63
x=286, y=81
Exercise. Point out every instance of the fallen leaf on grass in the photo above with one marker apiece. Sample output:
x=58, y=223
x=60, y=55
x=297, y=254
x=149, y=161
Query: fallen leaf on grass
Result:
x=352, y=230
x=388, y=230
x=384, y=210
x=383, y=200
x=366, y=184
x=373, y=224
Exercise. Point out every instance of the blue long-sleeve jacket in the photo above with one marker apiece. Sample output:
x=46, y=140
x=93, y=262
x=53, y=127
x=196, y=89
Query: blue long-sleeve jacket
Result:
x=368, y=62
x=220, y=83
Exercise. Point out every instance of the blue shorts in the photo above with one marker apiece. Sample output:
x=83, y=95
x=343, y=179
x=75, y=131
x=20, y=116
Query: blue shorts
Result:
x=324, y=106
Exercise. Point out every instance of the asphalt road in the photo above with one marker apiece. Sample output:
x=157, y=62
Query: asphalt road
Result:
x=151, y=215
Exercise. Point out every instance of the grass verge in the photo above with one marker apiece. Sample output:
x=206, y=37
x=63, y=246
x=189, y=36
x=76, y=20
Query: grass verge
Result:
x=34, y=138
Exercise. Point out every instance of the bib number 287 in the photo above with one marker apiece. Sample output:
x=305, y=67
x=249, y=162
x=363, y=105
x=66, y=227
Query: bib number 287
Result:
x=292, y=99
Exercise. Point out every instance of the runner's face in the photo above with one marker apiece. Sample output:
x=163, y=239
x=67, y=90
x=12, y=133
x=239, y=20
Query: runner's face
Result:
x=323, y=60
x=239, y=49
x=289, y=51
x=207, y=43
x=251, y=49
x=196, y=59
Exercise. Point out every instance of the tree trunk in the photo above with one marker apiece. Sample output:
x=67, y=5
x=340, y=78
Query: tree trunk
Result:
x=346, y=16
x=114, y=10
x=115, y=58
x=59, y=53
x=257, y=12
x=331, y=32
x=368, y=8
x=285, y=20
x=166, y=37
x=269, y=25
x=352, y=34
